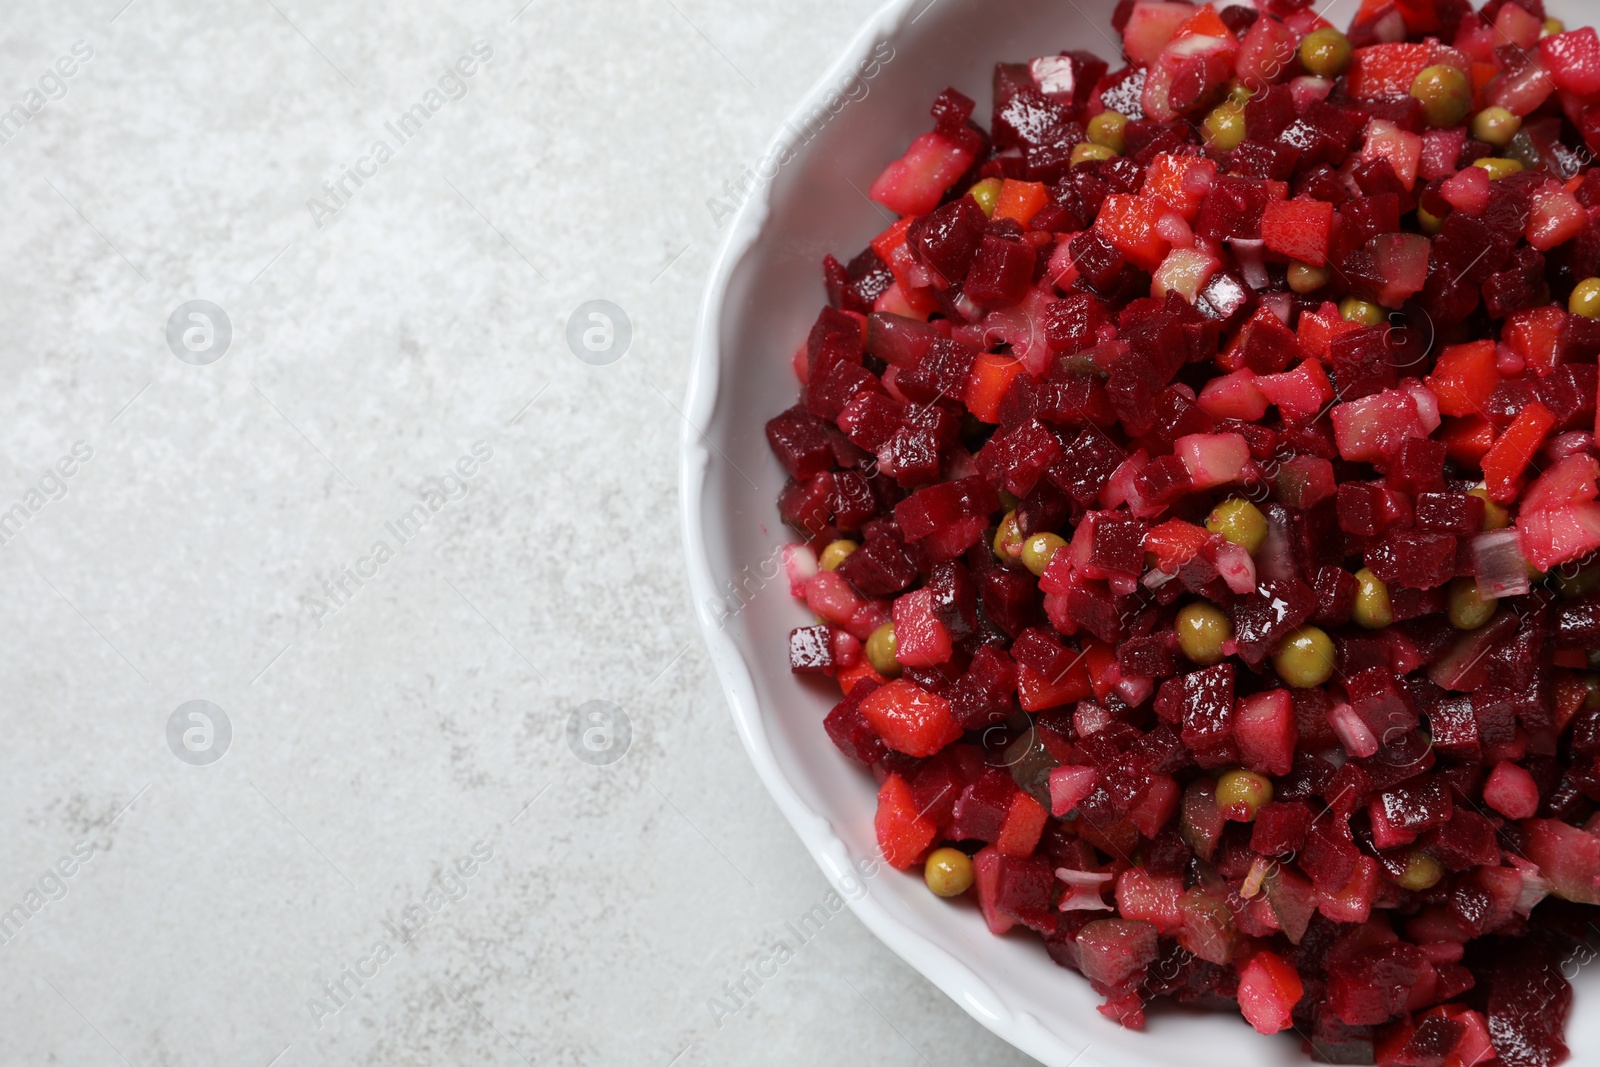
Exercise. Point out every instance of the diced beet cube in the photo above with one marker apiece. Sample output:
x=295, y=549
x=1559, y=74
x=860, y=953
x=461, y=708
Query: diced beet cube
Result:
x=1001, y=272
x=1263, y=618
x=868, y=420
x=1203, y=702
x=1529, y=998
x=831, y=390
x=800, y=441
x=1304, y=481
x=1010, y=599
x=946, y=239
x=1072, y=323
x=1418, y=465
x=1458, y=514
x=880, y=567
x=1453, y=726
x=1467, y=841
x=1094, y=609
x=1117, y=547
x=1335, y=591
x=982, y=696
x=1233, y=209
x=851, y=500
x=1330, y=853
x=1382, y=703
x=1014, y=460
x=1024, y=890
x=1362, y=363
x=1416, y=559
x=1417, y=806
x=1366, y=509
x=850, y=730
x=981, y=809
x=1163, y=480
x=1280, y=828
x=955, y=597
x=1374, y=985
x=1039, y=650
x=1147, y=657
x=1115, y=952
x=810, y=650
x=942, y=373
x=807, y=506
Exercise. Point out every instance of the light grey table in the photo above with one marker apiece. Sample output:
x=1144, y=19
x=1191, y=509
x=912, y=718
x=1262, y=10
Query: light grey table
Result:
x=197, y=518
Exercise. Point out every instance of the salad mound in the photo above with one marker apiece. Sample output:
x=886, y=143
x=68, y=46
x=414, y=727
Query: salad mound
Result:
x=1200, y=502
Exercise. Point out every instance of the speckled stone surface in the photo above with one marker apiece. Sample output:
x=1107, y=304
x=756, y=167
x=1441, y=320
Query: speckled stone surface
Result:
x=395, y=793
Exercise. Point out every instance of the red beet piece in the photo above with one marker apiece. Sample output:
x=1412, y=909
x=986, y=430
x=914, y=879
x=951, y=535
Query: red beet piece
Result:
x=1280, y=828
x=869, y=419
x=1330, y=853
x=850, y=730
x=941, y=374
x=1362, y=363
x=1467, y=841
x=1335, y=591
x=1373, y=985
x=946, y=239
x=1148, y=657
x=1015, y=460
x=1382, y=703
x=880, y=567
x=1458, y=514
x=1263, y=618
x=1024, y=890
x=1203, y=702
x=981, y=809
x=1001, y=272
x=1010, y=599
x=1418, y=465
x=1072, y=323
x=800, y=441
x=806, y=506
x=1366, y=509
x=1529, y=998
x=810, y=650
x=1417, y=559
x=1417, y=806
x=1233, y=209
x=982, y=696
x=851, y=500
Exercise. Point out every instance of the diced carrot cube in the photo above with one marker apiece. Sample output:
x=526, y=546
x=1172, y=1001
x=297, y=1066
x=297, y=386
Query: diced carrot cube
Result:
x=1514, y=449
x=987, y=382
x=904, y=834
x=1021, y=200
x=1464, y=378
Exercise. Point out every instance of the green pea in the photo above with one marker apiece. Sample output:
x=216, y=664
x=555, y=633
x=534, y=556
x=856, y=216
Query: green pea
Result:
x=1305, y=658
x=1241, y=794
x=1372, y=609
x=1445, y=94
x=1326, y=52
x=1239, y=521
x=948, y=872
x=881, y=649
x=1203, y=628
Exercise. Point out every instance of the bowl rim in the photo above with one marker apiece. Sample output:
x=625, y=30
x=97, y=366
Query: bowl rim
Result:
x=935, y=963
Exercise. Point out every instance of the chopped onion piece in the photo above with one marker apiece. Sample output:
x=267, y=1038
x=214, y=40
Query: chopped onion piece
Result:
x=1355, y=735
x=1497, y=558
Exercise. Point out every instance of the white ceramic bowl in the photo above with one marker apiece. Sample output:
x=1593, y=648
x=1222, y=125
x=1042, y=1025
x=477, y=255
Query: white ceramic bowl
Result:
x=765, y=291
